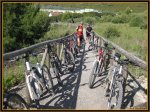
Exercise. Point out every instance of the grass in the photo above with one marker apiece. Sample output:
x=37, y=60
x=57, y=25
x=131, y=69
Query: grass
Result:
x=132, y=39
x=14, y=74
x=57, y=31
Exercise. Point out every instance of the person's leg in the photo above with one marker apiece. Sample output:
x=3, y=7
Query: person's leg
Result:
x=78, y=40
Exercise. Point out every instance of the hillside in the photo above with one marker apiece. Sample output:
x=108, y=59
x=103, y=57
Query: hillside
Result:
x=104, y=6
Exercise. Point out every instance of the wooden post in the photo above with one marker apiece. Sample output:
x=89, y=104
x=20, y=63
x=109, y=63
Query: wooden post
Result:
x=100, y=43
x=61, y=51
x=57, y=49
x=48, y=57
x=44, y=56
x=112, y=62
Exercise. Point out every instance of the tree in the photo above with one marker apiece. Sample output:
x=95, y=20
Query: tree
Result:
x=23, y=24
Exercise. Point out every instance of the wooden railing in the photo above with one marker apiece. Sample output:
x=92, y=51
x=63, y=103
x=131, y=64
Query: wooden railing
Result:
x=130, y=56
x=8, y=56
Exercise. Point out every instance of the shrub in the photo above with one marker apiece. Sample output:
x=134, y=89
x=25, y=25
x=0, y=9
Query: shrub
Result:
x=90, y=20
x=105, y=13
x=137, y=21
x=128, y=10
x=143, y=26
x=120, y=19
x=92, y=14
x=107, y=18
x=111, y=32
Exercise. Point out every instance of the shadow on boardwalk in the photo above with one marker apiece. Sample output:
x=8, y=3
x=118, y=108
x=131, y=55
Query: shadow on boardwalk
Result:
x=66, y=96
x=131, y=89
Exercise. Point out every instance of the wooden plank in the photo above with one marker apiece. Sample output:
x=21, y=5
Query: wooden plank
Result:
x=62, y=47
x=130, y=56
x=57, y=49
x=44, y=56
x=48, y=57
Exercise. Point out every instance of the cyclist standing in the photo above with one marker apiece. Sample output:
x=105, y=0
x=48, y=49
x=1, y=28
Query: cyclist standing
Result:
x=88, y=32
x=80, y=37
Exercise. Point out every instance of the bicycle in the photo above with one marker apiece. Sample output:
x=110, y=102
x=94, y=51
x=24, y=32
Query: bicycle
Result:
x=115, y=83
x=73, y=48
x=101, y=63
x=37, y=80
x=14, y=101
x=56, y=65
x=93, y=42
x=68, y=58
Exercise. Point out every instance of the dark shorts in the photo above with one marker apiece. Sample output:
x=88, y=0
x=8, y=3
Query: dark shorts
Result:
x=81, y=38
x=88, y=34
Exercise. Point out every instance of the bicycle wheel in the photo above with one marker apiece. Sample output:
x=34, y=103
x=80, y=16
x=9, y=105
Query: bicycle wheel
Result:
x=73, y=52
x=56, y=72
x=116, y=95
x=100, y=68
x=15, y=101
x=70, y=61
x=59, y=64
x=47, y=77
x=93, y=74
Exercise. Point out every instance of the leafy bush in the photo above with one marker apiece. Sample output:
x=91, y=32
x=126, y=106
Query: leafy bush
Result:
x=106, y=13
x=128, y=10
x=92, y=14
x=107, y=18
x=120, y=19
x=143, y=26
x=137, y=21
x=111, y=32
x=66, y=16
x=90, y=20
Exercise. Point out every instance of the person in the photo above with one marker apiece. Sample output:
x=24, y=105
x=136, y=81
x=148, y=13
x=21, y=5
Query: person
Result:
x=88, y=31
x=80, y=37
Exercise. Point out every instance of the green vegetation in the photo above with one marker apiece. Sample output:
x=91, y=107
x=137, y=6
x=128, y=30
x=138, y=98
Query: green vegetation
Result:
x=137, y=21
x=111, y=32
x=23, y=24
x=55, y=31
x=13, y=75
x=14, y=72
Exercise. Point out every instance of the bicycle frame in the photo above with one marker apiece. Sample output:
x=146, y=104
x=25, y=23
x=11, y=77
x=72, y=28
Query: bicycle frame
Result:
x=30, y=73
x=117, y=71
x=65, y=52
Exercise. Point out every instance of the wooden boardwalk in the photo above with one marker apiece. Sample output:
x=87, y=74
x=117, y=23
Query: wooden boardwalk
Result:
x=75, y=93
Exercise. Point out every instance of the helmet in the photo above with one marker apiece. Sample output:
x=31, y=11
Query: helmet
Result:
x=106, y=44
